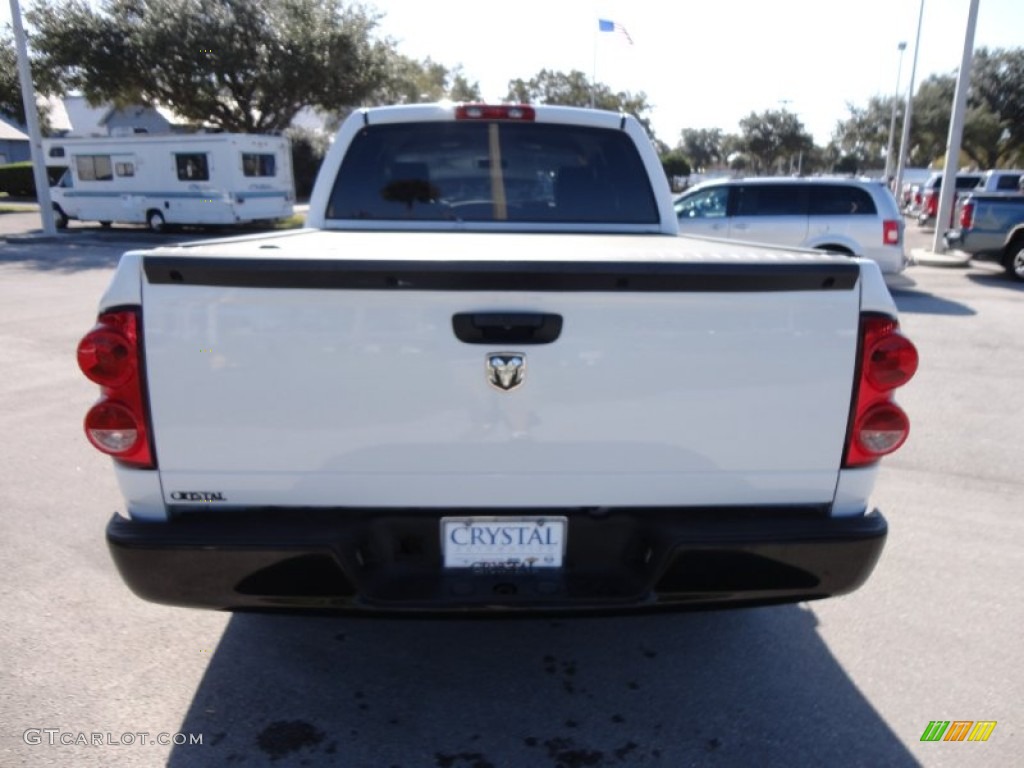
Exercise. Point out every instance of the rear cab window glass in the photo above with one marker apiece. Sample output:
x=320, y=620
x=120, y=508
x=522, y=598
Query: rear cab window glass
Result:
x=1008, y=183
x=771, y=200
x=840, y=200
x=493, y=171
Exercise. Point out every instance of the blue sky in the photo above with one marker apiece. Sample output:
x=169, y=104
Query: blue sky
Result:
x=702, y=63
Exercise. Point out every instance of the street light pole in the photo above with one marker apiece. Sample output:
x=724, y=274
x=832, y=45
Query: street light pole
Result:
x=892, y=123
x=947, y=191
x=905, y=140
x=28, y=99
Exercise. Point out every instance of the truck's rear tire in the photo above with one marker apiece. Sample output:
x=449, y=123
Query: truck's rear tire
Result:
x=60, y=219
x=155, y=221
x=1013, y=258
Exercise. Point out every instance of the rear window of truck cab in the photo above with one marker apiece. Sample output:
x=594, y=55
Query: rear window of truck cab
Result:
x=493, y=171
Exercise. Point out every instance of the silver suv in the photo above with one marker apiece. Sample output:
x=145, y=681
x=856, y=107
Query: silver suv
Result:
x=859, y=218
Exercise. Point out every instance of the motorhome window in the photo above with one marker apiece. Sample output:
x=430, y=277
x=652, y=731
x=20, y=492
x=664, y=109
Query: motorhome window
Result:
x=192, y=167
x=94, y=167
x=56, y=151
x=124, y=169
x=257, y=164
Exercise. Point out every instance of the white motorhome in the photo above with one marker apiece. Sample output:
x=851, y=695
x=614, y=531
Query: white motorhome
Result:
x=219, y=178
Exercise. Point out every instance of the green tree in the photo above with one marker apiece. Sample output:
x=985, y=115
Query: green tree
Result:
x=243, y=65
x=997, y=88
x=11, y=104
x=847, y=164
x=410, y=82
x=986, y=138
x=459, y=88
x=773, y=136
x=702, y=145
x=308, y=150
x=676, y=164
x=734, y=152
x=930, y=120
x=993, y=125
x=862, y=139
x=574, y=89
x=819, y=160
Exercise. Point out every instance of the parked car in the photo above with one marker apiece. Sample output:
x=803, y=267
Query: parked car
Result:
x=991, y=226
x=910, y=194
x=965, y=182
x=851, y=216
x=910, y=197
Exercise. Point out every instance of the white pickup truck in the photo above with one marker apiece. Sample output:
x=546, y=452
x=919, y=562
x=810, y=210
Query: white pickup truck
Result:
x=490, y=376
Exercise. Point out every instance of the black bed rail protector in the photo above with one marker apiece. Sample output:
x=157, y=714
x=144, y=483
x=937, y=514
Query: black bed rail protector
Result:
x=562, y=276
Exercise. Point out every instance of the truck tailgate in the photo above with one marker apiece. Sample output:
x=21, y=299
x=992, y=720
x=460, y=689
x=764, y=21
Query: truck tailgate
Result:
x=685, y=373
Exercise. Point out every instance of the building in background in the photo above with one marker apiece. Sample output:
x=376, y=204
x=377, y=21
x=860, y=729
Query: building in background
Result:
x=15, y=146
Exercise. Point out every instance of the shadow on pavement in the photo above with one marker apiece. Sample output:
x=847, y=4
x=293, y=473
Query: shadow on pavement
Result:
x=918, y=302
x=60, y=255
x=91, y=246
x=84, y=248
x=748, y=687
x=997, y=280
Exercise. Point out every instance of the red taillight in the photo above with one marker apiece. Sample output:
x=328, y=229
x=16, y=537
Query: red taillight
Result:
x=105, y=358
x=967, y=215
x=494, y=112
x=890, y=361
x=917, y=199
x=887, y=360
x=109, y=355
x=890, y=232
x=931, y=203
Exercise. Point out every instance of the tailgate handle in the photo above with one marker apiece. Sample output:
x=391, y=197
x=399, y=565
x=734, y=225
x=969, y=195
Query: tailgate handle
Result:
x=506, y=327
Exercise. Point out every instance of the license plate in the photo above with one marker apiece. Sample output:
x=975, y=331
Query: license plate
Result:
x=520, y=542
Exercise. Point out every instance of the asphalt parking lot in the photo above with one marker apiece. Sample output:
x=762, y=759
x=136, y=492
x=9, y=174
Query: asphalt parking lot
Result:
x=934, y=635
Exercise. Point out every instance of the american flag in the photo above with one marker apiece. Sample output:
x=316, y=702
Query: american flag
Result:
x=613, y=26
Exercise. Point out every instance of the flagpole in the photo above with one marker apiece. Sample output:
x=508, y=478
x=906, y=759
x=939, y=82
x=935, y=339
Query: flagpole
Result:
x=593, y=71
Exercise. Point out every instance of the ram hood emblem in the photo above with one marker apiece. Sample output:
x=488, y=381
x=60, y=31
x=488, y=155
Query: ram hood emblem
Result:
x=506, y=370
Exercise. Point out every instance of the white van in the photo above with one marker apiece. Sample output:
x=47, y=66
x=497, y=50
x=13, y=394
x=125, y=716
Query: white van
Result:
x=218, y=178
x=852, y=216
